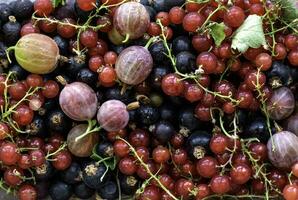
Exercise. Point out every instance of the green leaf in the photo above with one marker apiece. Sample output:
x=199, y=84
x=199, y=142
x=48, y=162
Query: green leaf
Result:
x=289, y=9
x=109, y=162
x=249, y=34
x=56, y=3
x=217, y=32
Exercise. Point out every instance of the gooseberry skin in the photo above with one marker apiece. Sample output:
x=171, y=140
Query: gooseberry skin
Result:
x=112, y=115
x=78, y=101
x=281, y=104
x=85, y=144
x=134, y=65
x=37, y=53
x=131, y=19
x=282, y=149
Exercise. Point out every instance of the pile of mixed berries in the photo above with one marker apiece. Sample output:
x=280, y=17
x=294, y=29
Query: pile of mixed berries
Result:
x=149, y=99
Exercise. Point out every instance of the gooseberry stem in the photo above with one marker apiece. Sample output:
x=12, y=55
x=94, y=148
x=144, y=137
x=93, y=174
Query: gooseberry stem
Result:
x=90, y=129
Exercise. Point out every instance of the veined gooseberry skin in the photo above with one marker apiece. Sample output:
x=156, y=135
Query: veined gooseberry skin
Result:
x=282, y=149
x=113, y=115
x=84, y=146
x=134, y=65
x=281, y=104
x=132, y=20
x=37, y=53
x=78, y=101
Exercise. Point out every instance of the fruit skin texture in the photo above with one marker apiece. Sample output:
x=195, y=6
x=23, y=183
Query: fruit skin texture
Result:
x=37, y=53
x=131, y=19
x=27, y=192
x=285, y=153
x=134, y=65
x=290, y=192
x=281, y=104
x=112, y=115
x=84, y=146
x=78, y=101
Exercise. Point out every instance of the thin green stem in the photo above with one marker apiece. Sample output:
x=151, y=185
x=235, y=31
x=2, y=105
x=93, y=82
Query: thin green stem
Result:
x=90, y=129
x=57, y=151
x=126, y=38
x=202, y=28
x=148, y=169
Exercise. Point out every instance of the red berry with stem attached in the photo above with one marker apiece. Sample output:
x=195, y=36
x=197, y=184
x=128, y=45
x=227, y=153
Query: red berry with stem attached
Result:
x=66, y=30
x=192, y=21
x=13, y=176
x=89, y=38
x=255, y=79
x=233, y=13
x=107, y=76
x=263, y=61
x=164, y=18
x=179, y=156
x=183, y=187
x=154, y=29
x=95, y=63
x=245, y=98
x=176, y=15
x=240, y=174
x=280, y=51
x=172, y=85
x=193, y=93
x=23, y=115
x=121, y=149
x=290, y=192
x=208, y=61
x=127, y=165
x=47, y=26
x=28, y=29
x=150, y=192
x=62, y=160
x=37, y=157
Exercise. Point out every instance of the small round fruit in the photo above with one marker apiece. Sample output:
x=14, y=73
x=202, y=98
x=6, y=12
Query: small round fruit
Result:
x=27, y=192
x=172, y=85
x=37, y=53
x=134, y=65
x=84, y=146
x=132, y=20
x=9, y=153
x=220, y=184
x=113, y=115
x=240, y=173
x=78, y=101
